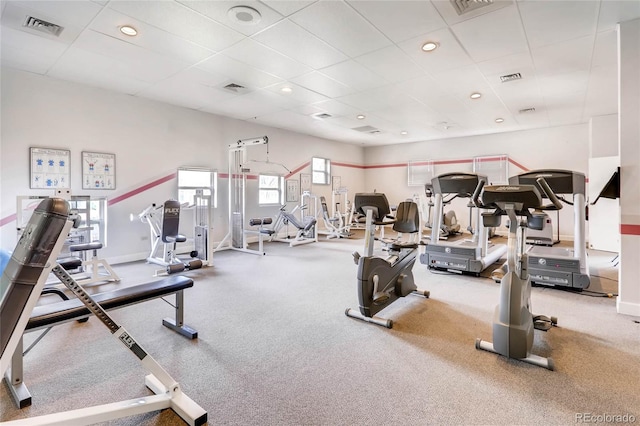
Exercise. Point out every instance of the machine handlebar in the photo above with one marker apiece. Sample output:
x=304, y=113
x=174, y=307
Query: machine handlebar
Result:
x=475, y=198
x=549, y=193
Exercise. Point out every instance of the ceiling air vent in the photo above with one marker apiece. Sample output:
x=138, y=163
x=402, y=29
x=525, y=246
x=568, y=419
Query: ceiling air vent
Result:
x=526, y=110
x=321, y=115
x=367, y=129
x=510, y=77
x=42, y=25
x=236, y=88
x=464, y=6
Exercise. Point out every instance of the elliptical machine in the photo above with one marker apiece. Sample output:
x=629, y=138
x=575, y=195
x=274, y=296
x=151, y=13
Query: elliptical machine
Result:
x=381, y=281
x=513, y=322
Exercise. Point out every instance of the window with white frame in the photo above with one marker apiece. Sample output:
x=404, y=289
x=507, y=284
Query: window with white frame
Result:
x=320, y=171
x=270, y=190
x=192, y=179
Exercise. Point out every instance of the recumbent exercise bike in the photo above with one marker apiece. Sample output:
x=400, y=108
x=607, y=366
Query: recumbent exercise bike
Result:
x=382, y=281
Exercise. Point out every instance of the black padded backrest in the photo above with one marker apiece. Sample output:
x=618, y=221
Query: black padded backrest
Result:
x=560, y=181
x=170, y=220
x=463, y=184
x=523, y=196
x=375, y=201
x=407, y=218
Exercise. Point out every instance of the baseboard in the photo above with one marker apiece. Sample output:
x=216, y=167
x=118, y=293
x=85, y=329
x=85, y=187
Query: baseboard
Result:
x=627, y=308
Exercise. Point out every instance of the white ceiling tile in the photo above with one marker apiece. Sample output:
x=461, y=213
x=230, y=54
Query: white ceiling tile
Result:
x=400, y=20
x=245, y=106
x=334, y=107
x=92, y=69
x=287, y=7
x=605, y=51
x=294, y=42
x=561, y=85
x=602, y=93
x=35, y=54
x=181, y=21
x=564, y=57
x=355, y=75
x=149, y=37
x=391, y=63
x=298, y=94
x=451, y=16
x=141, y=63
x=255, y=54
x=322, y=84
x=447, y=56
x=307, y=110
x=492, y=35
x=76, y=13
x=614, y=11
x=558, y=20
x=375, y=99
x=243, y=74
x=506, y=65
x=218, y=10
x=340, y=26
x=463, y=81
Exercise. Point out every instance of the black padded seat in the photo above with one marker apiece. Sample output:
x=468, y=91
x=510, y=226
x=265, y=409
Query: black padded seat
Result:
x=70, y=263
x=68, y=310
x=96, y=245
x=399, y=245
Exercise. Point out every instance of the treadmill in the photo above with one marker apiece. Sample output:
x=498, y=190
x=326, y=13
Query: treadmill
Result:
x=560, y=266
x=466, y=256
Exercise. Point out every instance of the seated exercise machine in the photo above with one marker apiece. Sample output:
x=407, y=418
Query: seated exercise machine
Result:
x=383, y=280
x=20, y=287
x=513, y=322
x=305, y=227
x=335, y=226
x=449, y=225
x=559, y=266
x=164, y=221
x=468, y=256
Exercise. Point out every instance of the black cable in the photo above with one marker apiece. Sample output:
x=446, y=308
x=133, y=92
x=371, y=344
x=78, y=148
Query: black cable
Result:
x=605, y=278
x=597, y=294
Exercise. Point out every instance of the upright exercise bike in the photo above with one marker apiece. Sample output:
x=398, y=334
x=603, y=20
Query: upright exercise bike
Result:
x=383, y=280
x=513, y=322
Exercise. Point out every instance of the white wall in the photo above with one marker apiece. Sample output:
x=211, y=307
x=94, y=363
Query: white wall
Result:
x=565, y=147
x=150, y=140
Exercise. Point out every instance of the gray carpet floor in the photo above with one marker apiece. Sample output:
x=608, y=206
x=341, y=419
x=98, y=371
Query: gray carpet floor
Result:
x=275, y=348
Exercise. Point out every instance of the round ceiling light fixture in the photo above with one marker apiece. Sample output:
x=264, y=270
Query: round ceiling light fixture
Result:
x=499, y=120
x=360, y=117
x=286, y=89
x=128, y=30
x=475, y=95
x=404, y=132
x=429, y=46
x=244, y=15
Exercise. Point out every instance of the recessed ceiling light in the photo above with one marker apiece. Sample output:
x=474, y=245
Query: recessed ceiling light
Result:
x=360, y=117
x=128, y=30
x=499, y=120
x=475, y=95
x=430, y=46
x=244, y=15
x=404, y=132
x=286, y=89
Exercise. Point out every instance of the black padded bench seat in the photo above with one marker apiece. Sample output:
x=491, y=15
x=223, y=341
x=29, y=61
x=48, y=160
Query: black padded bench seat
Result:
x=53, y=314
x=70, y=263
x=73, y=309
x=96, y=245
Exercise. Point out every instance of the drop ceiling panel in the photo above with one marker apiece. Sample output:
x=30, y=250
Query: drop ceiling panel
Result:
x=383, y=97
x=307, y=49
x=558, y=20
x=400, y=20
x=287, y=7
x=149, y=37
x=558, y=85
x=505, y=37
x=244, y=107
x=614, y=11
x=243, y=74
x=181, y=21
x=323, y=84
x=451, y=16
x=448, y=55
x=218, y=11
x=298, y=94
x=341, y=26
x=334, y=107
x=91, y=69
x=141, y=63
x=261, y=57
x=74, y=13
x=564, y=57
x=506, y=65
x=605, y=50
x=391, y=63
x=463, y=81
x=36, y=54
x=355, y=75
x=602, y=92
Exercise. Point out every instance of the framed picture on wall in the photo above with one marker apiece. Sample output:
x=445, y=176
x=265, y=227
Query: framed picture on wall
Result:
x=49, y=168
x=305, y=182
x=293, y=191
x=98, y=170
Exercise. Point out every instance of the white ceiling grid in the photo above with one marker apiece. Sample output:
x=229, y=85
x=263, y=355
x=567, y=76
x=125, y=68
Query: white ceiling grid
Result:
x=341, y=58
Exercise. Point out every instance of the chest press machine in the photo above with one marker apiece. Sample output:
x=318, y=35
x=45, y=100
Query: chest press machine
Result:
x=20, y=287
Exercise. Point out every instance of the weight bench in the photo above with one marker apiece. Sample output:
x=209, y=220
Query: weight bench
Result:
x=53, y=314
x=94, y=264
